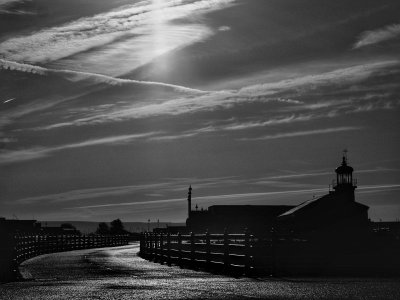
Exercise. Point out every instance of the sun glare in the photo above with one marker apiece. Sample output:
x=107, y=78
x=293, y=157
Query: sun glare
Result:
x=158, y=26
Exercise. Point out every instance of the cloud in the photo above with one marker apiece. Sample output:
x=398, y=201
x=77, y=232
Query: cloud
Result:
x=254, y=124
x=6, y=140
x=236, y=126
x=128, y=22
x=8, y=2
x=173, y=137
x=340, y=76
x=96, y=78
x=11, y=156
x=21, y=67
x=6, y=7
x=224, y=28
x=243, y=197
x=314, y=174
x=376, y=36
x=92, y=193
x=260, y=93
x=168, y=185
x=301, y=133
x=380, y=187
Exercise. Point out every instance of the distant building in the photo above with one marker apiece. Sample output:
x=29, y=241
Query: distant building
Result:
x=33, y=227
x=235, y=218
x=336, y=212
x=19, y=226
x=53, y=230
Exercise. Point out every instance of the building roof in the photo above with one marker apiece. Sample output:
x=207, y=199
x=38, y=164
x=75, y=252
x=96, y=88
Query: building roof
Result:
x=249, y=209
x=298, y=207
x=323, y=204
x=344, y=168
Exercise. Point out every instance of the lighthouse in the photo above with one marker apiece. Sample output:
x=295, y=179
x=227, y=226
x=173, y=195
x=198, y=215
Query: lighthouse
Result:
x=189, y=199
x=344, y=178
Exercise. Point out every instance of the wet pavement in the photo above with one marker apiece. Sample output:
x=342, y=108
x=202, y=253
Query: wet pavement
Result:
x=118, y=273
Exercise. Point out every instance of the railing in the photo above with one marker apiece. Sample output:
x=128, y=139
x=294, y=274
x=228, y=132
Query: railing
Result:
x=230, y=253
x=249, y=255
x=18, y=248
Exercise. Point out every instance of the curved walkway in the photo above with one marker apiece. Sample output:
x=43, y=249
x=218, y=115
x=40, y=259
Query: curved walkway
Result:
x=118, y=273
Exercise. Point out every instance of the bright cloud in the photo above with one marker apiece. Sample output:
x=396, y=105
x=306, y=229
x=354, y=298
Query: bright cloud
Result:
x=301, y=133
x=95, y=78
x=11, y=156
x=372, y=37
x=269, y=92
x=245, y=197
x=138, y=33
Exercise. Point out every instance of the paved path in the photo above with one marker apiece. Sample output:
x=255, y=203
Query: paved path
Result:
x=118, y=273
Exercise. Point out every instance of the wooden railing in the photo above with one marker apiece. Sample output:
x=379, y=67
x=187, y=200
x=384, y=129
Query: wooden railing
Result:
x=246, y=254
x=18, y=248
x=230, y=253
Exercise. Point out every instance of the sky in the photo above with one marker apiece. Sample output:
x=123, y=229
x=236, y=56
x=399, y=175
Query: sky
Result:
x=111, y=109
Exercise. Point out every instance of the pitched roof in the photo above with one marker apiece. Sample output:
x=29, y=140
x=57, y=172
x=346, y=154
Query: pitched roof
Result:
x=325, y=202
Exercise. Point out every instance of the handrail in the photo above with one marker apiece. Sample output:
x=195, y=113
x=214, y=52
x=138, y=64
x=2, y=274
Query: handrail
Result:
x=228, y=251
x=20, y=247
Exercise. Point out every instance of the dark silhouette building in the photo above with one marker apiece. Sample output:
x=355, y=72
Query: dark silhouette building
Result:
x=19, y=226
x=233, y=218
x=334, y=213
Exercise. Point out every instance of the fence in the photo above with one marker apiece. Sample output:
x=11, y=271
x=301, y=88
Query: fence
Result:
x=246, y=254
x=230, y=253
x=18, y=248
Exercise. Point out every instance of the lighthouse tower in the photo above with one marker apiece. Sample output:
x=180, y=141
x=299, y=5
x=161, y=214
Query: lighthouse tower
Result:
x=344, y=178
x=189, y=199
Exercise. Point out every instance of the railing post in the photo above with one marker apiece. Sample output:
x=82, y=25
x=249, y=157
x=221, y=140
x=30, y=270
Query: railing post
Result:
x=147, y=243
x=247, y=259
x=169, y=249
x=155, y=247
x=141, y=244
x=15, y=253
x=179, y=249
x=58, y=243
x=273, y=253
x=162, y=248
x=208, y=250
x=151, y=245
x=226, y=251
x=192, y=250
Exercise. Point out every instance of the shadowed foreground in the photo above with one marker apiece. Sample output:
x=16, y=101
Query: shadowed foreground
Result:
x=118, y=273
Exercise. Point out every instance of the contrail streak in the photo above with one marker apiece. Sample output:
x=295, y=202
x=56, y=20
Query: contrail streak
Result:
x=98, y=78
x=8, y=100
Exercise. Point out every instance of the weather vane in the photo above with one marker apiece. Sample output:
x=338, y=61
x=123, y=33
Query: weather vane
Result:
x=345, y=153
